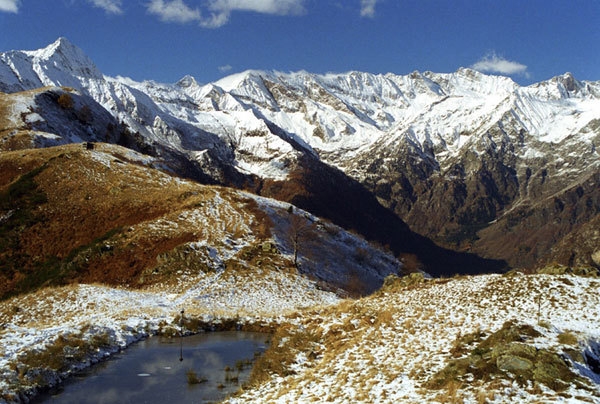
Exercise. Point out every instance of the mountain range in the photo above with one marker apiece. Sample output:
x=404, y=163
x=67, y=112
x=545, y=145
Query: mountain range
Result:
x=456, y=173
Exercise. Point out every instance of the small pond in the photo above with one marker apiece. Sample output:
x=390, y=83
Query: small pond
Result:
x=150, y=371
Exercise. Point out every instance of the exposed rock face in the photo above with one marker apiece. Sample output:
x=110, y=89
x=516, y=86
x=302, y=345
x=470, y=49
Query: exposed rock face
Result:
x=557, y=228
x=513, y=363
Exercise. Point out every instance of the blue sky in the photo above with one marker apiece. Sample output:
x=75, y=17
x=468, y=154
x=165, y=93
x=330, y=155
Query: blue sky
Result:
x=163, y=40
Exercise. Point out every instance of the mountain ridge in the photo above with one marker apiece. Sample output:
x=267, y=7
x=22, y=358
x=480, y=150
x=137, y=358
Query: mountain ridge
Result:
x=479, y=146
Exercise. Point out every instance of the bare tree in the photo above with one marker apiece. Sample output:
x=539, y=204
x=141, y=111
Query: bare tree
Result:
x=301, y=230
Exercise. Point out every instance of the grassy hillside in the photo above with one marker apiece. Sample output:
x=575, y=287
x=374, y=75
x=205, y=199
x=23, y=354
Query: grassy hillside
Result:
x=473, y=339
x=106, y=215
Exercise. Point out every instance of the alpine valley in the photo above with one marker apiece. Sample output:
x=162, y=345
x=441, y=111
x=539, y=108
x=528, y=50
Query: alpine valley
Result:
x=265, y=193
x=471, y=161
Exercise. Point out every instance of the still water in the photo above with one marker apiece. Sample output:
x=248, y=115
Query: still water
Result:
x=151, y=371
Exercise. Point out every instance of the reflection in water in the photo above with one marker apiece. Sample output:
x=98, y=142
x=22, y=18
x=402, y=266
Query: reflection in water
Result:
x=151, y=371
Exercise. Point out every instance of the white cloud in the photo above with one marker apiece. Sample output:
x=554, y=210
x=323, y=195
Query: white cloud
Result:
x=492, y=63
x=224, y=69
x=279, y=7
x=217, y=12
x=10, y=6
x=367, y=8
x=174, y=11
x=110, y=6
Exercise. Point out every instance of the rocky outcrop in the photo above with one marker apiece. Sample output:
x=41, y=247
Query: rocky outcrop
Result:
x=509, y=354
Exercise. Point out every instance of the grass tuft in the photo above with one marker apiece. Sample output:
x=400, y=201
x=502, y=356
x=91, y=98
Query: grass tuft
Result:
x=193, y=378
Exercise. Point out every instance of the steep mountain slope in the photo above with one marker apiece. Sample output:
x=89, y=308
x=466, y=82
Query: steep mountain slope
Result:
x=239, y=147
x=99, y=248
x=449, y=153
x=459, y=157
x=97, y=210
x=106, y=215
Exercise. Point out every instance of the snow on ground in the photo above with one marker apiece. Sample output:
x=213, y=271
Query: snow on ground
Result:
x=30, y=322
x=384, y=348
x=381, y=348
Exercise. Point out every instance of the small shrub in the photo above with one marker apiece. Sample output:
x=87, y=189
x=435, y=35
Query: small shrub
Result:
x=65, y=101
x=390, y=281
x=567, y=338
x=84, y=115
x=462, y=343
x=545, y=324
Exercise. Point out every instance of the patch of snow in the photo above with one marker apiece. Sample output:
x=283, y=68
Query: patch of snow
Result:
x=389, y=362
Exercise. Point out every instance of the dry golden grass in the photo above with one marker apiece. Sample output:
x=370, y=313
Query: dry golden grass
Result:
x=63, y=351
x=31, y=309
x=452, y=394
x=98, y=198
x=386, y=317
x=405, y=336
x=287, y=342
x=8, y=125
x=5, y=112
x=568, y=338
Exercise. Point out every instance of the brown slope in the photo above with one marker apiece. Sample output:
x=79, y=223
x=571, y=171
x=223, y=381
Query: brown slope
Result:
x=69, y=214
x=558, y=228
x=61, y=206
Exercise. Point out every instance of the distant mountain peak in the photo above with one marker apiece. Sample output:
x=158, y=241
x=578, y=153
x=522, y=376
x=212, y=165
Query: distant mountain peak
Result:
x=235, y=80
x=63, y=56
x=569, y=82
x=62, y=42
x=450, y=153
x=567, y=86
x=187, y=81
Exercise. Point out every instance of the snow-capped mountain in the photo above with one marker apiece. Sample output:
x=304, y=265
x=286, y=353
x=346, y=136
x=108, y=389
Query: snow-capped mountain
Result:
x=59, y=64
x=464, y=158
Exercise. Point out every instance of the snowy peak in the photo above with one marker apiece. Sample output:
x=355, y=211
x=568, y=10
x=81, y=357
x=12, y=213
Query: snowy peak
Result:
x=468, y=82
x=60, y=63
x=187, y=81
x=567, y=86
x=249, y=86
x=240, y=80
x=64, y=57
x=404, y=137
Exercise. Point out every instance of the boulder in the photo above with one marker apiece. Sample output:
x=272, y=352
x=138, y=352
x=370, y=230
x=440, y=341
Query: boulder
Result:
x=513, y=363
x=596, y=257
